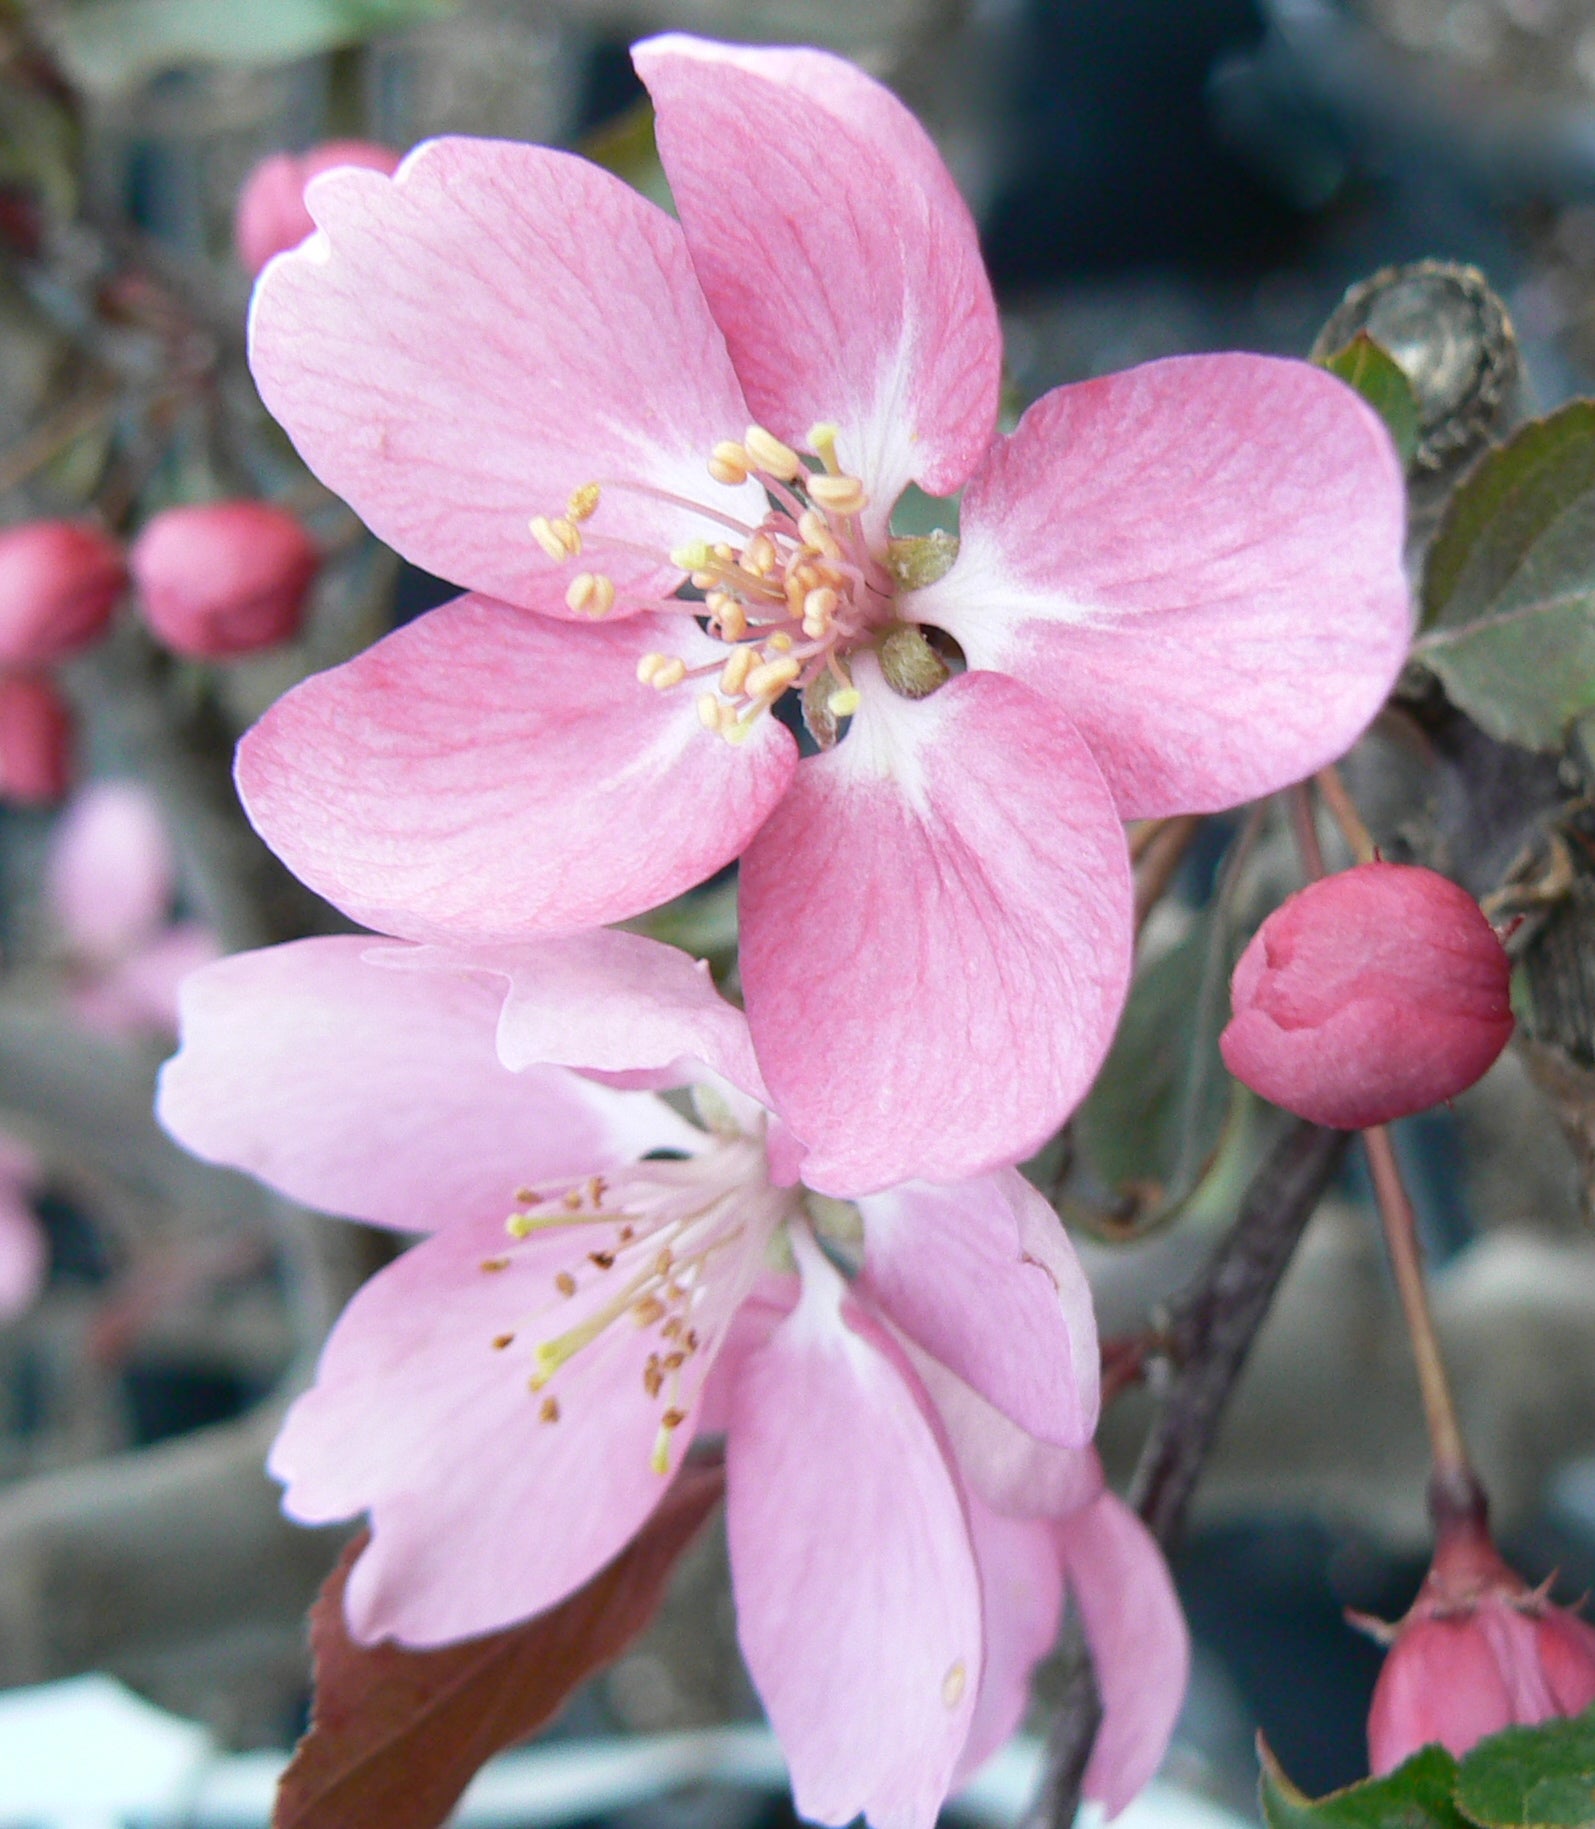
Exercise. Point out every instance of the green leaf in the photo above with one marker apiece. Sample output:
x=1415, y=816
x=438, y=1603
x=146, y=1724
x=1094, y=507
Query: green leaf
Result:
x=1154, y=1120
x=1532, y=1777
x=1509, y=586
x=1382, y=381
x=1417, y=1795
x=113, y=44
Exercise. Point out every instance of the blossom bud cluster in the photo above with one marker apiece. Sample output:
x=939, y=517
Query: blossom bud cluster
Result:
x=213, y=581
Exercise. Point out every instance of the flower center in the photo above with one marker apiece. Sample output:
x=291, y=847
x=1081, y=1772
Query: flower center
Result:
x=790, y=598
x=668, y=1248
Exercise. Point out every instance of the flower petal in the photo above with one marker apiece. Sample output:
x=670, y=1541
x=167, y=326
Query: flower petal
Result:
x=605, y=1002
x=379, y=1095
x=109, y=872
x=464, y=344
x=1140, y=1645
x=139, y=995
x=1021, y=1600
x=982, y=1275
x=485, y=774
x=858, y=1607
x=837, y=254
x=484, y=1508
x=1201, y=562
x=936, y=935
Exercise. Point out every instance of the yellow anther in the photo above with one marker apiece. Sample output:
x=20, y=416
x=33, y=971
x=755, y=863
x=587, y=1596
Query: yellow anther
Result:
x=728, y=462
x=796, y=591
x=708, y=711
x=692, y=557
x=649, y=1310
x=671, y=672
x=583, y=504
x=819, y=606
x=648, y=666
x=758, y=556
x=779, y=643
x=725, y=552
x=817, y=535
x=954, y=1684
x=843, y=702
x=733, y=620
x=705, y=581
x=559, y=539
x=837, y=494
x=734, y=675
x=773, y=677
x=822, y=442
x=770, y=455
x=591, y=594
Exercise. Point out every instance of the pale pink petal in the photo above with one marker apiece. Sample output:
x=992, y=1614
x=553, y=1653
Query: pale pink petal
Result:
x=485, y=774
x=24, y=1252
x=1140, y=1645
x=606, y=1002
x=1021, y=1599
x=109, y=874
x=936, y=935
x=379, y=1095
x=838, y=256
x=1200, y=561
x=858, y=1606
x=1005, y=1465
x=483, y=1509
x=464, y=344
x=138, y=995
x=982, y=1275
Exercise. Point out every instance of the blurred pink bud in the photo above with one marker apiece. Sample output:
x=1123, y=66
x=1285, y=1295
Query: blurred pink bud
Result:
x=1369, y=995
x=223, y=577
x=59, y=584
x=1480, y=1651
x=271, y=216
x=35, y=741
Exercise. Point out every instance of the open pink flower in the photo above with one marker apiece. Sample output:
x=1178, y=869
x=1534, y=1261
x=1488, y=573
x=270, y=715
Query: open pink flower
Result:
x=1176, y=589
x=110, y=882
x=908, y=1487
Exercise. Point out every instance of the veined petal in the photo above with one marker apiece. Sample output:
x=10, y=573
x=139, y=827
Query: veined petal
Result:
x=1021, y=1598
x=1140, y=1646
x=379, y=1095
x=484, y=774
x=1200, y=560
x=935, y=935
x=466, y=343
x=606, y=1002
x=491, y=1496
x=858, y=1604
x=837, y=254
x=983, y=1276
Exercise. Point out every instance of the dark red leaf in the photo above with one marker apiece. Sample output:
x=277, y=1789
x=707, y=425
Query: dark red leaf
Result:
x=397, y=1735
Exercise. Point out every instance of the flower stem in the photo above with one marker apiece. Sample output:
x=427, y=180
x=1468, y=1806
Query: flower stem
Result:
x=1304, y=821
x=1346, y=816
x=1452, y=1469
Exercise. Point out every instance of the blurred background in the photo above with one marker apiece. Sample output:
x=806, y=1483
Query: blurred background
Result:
x=1150, y=176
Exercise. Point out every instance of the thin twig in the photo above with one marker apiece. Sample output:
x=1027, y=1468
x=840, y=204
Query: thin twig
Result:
x=1346, y=816
x=1160, y=859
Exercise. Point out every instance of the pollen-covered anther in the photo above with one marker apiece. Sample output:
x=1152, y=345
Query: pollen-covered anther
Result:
x=561, y=539
x=734, y=674
x=728, y=462
x=771, y=456
x=771, y=678
x=819, y=608
x=591, y=594
x=816, y=534
x=583, y=503
x=837, y=494
x=661, y=671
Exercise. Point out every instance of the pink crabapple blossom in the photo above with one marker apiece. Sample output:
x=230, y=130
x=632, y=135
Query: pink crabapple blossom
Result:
x=1479, y=1651
x=218, y=579
x=663, y=458
x=909, y=1486
x=1369, y=995
x=271, y=216
x=110, y=879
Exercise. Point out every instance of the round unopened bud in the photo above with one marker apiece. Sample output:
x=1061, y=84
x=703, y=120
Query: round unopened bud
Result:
x=223, y=578
x=271, y=216
x=59, y=584
x=1480, y=1651
x=1369, y=995
x=35, y=741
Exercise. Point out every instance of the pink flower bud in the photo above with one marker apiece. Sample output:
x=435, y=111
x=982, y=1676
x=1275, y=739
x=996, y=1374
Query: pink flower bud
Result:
x=271, y=216
x=223, y=578
x=1480, y=1651
x=59, y=584
x=35, y=741
x=1369, y=995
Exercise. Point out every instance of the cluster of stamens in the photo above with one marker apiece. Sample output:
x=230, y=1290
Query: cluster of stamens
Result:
x=790, y=597
x=648, y=1268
